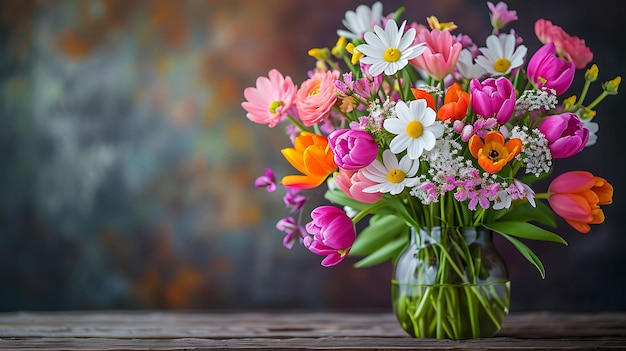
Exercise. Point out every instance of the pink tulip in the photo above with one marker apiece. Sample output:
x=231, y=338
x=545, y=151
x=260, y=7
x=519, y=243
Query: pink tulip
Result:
x=565, y=133
x=352, y=184
x=316, y=97
x=547, y=70
x=494, y=97
x=570, y=47
x=353, y=149
x=576, y=196
x=270, y=100
x=333, y=234
x=440, y=55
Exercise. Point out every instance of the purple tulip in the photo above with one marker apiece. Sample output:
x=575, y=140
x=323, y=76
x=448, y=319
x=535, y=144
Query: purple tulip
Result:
x=332, y=232
x=494, y=97
x=565, y=133
x=547, y=70
x=353, y=149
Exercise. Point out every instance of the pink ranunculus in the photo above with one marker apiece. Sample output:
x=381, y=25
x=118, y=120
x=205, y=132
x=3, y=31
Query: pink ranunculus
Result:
x=565, y=133
x=333, y=234
x=316, y=97
x=352, y=184
x=494, y=97
x=270, y=100
x=440, y=55
x=547, y=70
x=571, y=47
x=353, y=149
x=576, y=196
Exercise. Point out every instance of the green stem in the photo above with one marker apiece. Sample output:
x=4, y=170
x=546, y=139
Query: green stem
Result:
x=583, y=94
x=297, y=123
x=597, y=100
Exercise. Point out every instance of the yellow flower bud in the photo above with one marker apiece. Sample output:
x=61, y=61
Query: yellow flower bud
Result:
x=434, y=23
x=340, y=48
x=587, y=113
x=568, y=104
x=592, y=73
x=320, y=53
x=356, y=54
x=611, y=86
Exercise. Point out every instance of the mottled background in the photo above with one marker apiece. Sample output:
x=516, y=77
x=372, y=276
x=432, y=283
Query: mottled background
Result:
x=127, y=163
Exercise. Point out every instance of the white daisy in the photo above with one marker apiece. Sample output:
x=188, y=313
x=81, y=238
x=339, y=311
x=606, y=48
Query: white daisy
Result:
x=390, y=176
x=361, y=21
x=415, y=128
x=501, y=56
x=389, y=50
x=466, y=66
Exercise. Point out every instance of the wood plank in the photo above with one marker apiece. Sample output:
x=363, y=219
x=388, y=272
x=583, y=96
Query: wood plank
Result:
x=142, y=330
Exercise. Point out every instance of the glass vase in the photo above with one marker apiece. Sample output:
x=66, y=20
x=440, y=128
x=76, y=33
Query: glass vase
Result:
x=451, y=283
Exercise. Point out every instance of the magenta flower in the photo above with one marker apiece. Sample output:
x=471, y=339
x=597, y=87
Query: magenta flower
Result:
x=565, y=134
x=293, y=199
x=267, y=181
x=440, y=54
x=570, y=47
x=352, y=184
x=494, y=97
x=500, y=15
x=333, y=234
x=270, y=100
x=547, y=70
x=353, y=149
x=293, y=230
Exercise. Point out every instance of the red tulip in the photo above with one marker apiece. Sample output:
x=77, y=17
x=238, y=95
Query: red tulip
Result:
x=577, y=195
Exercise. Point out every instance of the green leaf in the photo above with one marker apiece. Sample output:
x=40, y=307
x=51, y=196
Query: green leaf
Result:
x=527, y=253
x=384, y=253
x=525, y=212
x=381, y=230
x=339, y=197
x=403, y=212
x=524, y=230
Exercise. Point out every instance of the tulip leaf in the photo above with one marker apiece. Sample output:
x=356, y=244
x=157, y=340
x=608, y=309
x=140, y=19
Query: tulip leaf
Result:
x=527, y=253
x=389, y=251
x=339, y=197
x=381, y=230
x=525, y=212
x=524, y=230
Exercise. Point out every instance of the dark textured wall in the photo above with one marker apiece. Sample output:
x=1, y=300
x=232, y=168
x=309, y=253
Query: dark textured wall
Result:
x=127, y=162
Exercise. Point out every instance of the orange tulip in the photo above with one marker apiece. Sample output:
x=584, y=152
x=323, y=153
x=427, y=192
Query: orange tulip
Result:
x=455, y=104
x=494, y=153
x=423, y=94
x=312, y=156
x=577, y=195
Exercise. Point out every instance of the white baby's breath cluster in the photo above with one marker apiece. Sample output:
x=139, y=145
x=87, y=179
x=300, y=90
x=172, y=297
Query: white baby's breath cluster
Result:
x=536, y=100
x=535, y=154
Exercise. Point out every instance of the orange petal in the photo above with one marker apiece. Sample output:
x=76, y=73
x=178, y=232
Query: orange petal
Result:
x=513, y=146
x=579, y=226
x=294, y=157
x=604, y=190
x=302, y=181
x=494, y=137
x=490, y=166
x=475, y=145
x=423, y=94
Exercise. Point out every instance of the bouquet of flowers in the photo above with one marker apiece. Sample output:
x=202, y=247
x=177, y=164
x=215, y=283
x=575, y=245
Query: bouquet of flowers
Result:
x=412, y=126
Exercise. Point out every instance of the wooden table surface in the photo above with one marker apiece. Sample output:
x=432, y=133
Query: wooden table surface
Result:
x=143, y=330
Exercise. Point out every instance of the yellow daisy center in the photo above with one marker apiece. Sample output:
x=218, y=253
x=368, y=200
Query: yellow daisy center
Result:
x=501, y=65
x=392, y=55
x=274, y=105
x=414, y=129
x=396, y=176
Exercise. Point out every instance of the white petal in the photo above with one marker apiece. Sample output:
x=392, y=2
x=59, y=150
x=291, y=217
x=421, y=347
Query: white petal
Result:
x=407, y=39
x=399, y=143
x=390, y=160
x=415, y=149
x=394, y=125
x=403, y=111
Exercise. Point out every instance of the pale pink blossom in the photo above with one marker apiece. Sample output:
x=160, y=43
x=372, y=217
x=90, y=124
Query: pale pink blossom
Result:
x=567, y=46
x=316, y=97
x=440, y=54
x=500, y=15
x=352, y=184
x=270, y=100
